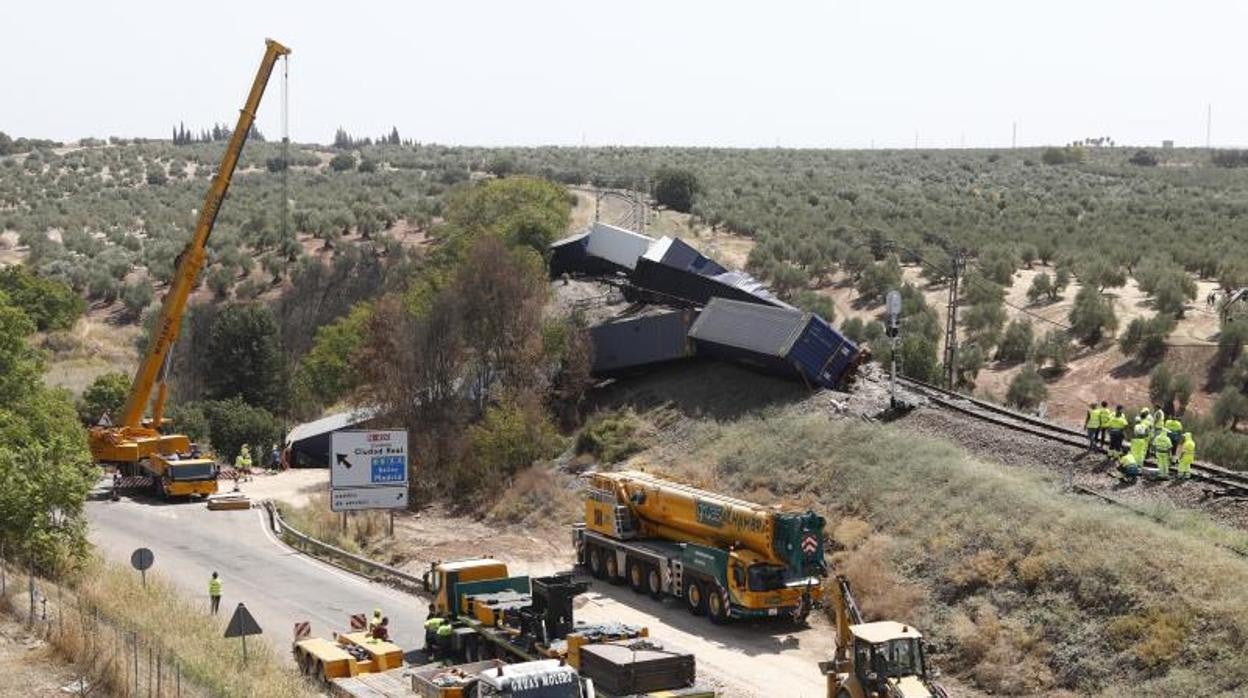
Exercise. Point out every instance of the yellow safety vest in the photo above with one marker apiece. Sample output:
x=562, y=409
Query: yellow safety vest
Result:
x=1094, y=418
x=214, y=587
x=1188, y=454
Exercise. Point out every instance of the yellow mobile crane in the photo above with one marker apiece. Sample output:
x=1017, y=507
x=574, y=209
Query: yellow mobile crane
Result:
x=138, y=446
x=884, y=659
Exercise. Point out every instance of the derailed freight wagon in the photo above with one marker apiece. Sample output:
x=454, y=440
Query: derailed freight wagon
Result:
x=601, y=250
x=781, y=341
x=656, y=282
x=644, y=339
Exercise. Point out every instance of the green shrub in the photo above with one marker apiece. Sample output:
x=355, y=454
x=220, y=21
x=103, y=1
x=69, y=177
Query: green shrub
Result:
x=1016, y=344
x=611, y=436
x=1027, y=389
x=51, y=305
x=106, y=393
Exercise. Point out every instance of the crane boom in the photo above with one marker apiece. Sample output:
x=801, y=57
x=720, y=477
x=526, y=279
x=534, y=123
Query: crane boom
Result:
x=136, y=446
x=192, y=257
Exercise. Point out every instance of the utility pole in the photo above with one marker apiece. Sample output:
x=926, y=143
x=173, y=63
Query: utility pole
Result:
x=894, y=327
x=951, y=320
x=1014, y=136
x=1209, y=127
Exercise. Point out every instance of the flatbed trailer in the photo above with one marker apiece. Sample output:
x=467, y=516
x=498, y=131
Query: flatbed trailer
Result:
x=348, y=655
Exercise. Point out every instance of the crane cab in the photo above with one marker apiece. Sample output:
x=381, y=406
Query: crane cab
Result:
x=886, y=659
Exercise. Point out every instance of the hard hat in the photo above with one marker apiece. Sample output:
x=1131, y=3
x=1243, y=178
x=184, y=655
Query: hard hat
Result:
x=376, y=611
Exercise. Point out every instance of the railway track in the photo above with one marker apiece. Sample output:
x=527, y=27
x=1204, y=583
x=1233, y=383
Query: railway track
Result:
x=1231, y=482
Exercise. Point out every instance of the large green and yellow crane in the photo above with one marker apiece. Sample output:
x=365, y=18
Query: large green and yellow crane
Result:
x=139, y=446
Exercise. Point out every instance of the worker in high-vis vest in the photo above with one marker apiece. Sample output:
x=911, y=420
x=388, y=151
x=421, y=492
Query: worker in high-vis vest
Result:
x=1187, y=455
x=1146, y=418
x=431, y=632
x=1128, y=467
x=1161, y=452
x=1174, y=429
x=1102, y=433
x=1139, y=442
x=444, y=633
x=1117, y=427
x=1092, y=422
x=214, y=593
x=242, y=462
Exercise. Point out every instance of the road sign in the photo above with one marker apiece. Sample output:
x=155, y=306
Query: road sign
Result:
x=142, y=559
x=368, y=469
x=359, y=498
x=303, y=630
x=241, y=623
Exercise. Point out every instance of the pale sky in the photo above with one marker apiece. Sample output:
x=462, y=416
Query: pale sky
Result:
x=839, y=73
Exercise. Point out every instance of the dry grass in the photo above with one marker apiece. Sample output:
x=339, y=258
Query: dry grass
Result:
x=1025, y=590
x=99, y=624
x=316, y=520
x=538, y=496
x=162, y=615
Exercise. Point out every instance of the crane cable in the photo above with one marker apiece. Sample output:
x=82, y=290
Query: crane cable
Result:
x=285, y=150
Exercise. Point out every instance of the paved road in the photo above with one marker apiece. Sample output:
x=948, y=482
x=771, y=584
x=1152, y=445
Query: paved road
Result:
x=281, y=586
x=278, y=585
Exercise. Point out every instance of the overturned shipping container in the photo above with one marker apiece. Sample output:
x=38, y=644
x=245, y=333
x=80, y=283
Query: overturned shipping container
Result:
x=598, y=251
x=783, y=341
x=639, y=340
x=656, y=282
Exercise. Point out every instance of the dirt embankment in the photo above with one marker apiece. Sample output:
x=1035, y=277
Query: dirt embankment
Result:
x=32, y=668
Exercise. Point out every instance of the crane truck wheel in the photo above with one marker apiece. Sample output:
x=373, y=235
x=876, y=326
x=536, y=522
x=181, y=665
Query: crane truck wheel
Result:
x=716, y=609
x=637, y=576
x=612, y=567
x=595, y=561
x=694, y=599
x=654, y=582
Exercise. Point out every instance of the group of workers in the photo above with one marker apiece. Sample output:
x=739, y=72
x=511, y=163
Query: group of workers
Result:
x=438, y=632
x=1151, y=433
x=379, y=626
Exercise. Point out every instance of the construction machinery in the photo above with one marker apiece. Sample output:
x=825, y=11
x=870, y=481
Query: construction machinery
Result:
x=527, y=621
x=884, y=659
x=139, y=446
x=544, y=678
x=347, y=655
x=727, y=558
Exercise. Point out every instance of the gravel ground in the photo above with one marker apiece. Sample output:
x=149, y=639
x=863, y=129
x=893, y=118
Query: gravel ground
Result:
x=996, y=444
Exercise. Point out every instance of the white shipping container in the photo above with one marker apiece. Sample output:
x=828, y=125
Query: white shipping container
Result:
x=617, y=245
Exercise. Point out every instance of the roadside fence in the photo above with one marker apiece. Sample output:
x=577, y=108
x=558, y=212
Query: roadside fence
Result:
x=106, y=657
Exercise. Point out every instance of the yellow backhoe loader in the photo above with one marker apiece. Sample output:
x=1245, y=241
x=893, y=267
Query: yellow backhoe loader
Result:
x=884, y=659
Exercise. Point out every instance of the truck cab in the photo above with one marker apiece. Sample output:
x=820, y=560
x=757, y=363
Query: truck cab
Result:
x=547, y=678
x=756, y=583
x=444, y=580
x=179, y=477
x=886, y=659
